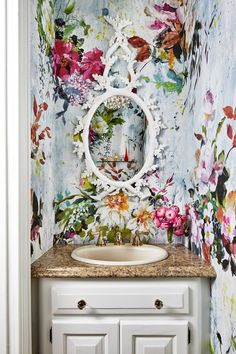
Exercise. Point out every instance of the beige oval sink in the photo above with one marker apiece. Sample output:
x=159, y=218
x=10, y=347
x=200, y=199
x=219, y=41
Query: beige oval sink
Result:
x=119, y=255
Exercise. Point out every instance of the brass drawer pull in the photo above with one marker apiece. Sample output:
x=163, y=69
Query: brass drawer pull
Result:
x=158, y=304
x=81, y=304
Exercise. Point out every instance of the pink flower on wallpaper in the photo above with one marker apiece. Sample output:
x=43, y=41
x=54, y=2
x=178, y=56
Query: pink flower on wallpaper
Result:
x=160, y=212
x=81, y=182
x=209, y=111
x=175, y=208
x=77, y=89
x=179, y=232
x=72, y=234
x=158, y=25
x=35, y=232
x=65, y=59
x=166, y=15
x=228, y=226
x=196, y=227
x=170, y=214
x=92, y=64
x=163, y=17
x=178, y=221
x=208, y=170
x=91, y=135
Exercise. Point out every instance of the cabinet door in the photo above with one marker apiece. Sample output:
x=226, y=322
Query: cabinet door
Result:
x=73, y=336
x=154, y=337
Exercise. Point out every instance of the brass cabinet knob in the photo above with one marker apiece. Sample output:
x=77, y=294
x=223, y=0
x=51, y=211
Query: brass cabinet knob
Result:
x=81, y=304
x=158, y=304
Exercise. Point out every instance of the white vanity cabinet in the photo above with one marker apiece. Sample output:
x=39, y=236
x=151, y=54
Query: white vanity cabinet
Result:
x=129, y=316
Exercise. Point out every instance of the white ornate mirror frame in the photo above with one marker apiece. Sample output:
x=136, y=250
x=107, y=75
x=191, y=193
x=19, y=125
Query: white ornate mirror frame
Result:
x=104, y=83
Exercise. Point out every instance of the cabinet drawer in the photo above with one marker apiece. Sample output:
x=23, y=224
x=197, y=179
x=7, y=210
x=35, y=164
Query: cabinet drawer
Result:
x=168, y=299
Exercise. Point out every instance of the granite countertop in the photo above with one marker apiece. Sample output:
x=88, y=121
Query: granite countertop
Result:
x=57, y=263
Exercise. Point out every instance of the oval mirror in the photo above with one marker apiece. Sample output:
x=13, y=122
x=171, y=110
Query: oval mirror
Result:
x=117, y=138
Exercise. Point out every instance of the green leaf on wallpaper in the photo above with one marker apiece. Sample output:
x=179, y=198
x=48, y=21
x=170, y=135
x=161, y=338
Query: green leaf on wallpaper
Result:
x=104, y=229
x=215, y=152
x=78, y=137
x=63, y=215
x=163, y=56
x=37, y=167
x=90, y=235
x=146, y=78
x=85, y=27
x=208, y=196
x=77, y=227
x=117, y=121
x=126, y=234
x=204, y=131
x=89, y=220
x=82, y=233
x=92, y=208
x=178, y=79
x=52, y=5
x=218, y=130
x=170, y=86
x=233, y=342
x=106, y=116
x=69, y=29
x=158, y=85
x=111, y=236
x=59, y=216
x=211, y=348
x=79, y=201
x=70, y=7
x=221, y=157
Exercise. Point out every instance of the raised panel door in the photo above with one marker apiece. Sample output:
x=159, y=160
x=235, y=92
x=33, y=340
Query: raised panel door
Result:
x=74, y=336
x=154, y=337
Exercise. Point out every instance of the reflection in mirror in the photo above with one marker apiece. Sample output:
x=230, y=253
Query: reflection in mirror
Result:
x=117, y=138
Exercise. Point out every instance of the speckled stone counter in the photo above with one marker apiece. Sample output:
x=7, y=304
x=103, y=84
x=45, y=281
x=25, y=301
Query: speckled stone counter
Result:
x=57, y=263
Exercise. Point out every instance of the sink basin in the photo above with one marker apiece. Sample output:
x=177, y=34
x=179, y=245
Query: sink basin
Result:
x=119, y=255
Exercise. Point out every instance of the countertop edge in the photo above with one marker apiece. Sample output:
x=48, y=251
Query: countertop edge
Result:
x=119, y=276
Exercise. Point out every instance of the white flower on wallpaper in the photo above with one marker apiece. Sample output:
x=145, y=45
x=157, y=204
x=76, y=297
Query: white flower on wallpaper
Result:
x=115, y=210
x=142, y=220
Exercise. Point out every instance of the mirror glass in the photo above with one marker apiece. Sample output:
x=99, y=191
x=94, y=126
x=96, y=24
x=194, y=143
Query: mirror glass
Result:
x=117, y=138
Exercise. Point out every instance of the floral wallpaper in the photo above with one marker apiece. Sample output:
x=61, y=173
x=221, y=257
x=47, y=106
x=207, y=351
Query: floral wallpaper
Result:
x=184, y=51
x=70, y=40
x=211, y=145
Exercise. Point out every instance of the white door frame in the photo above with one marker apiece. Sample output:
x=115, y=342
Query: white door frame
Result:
x=18, y=336
x=3, y=190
